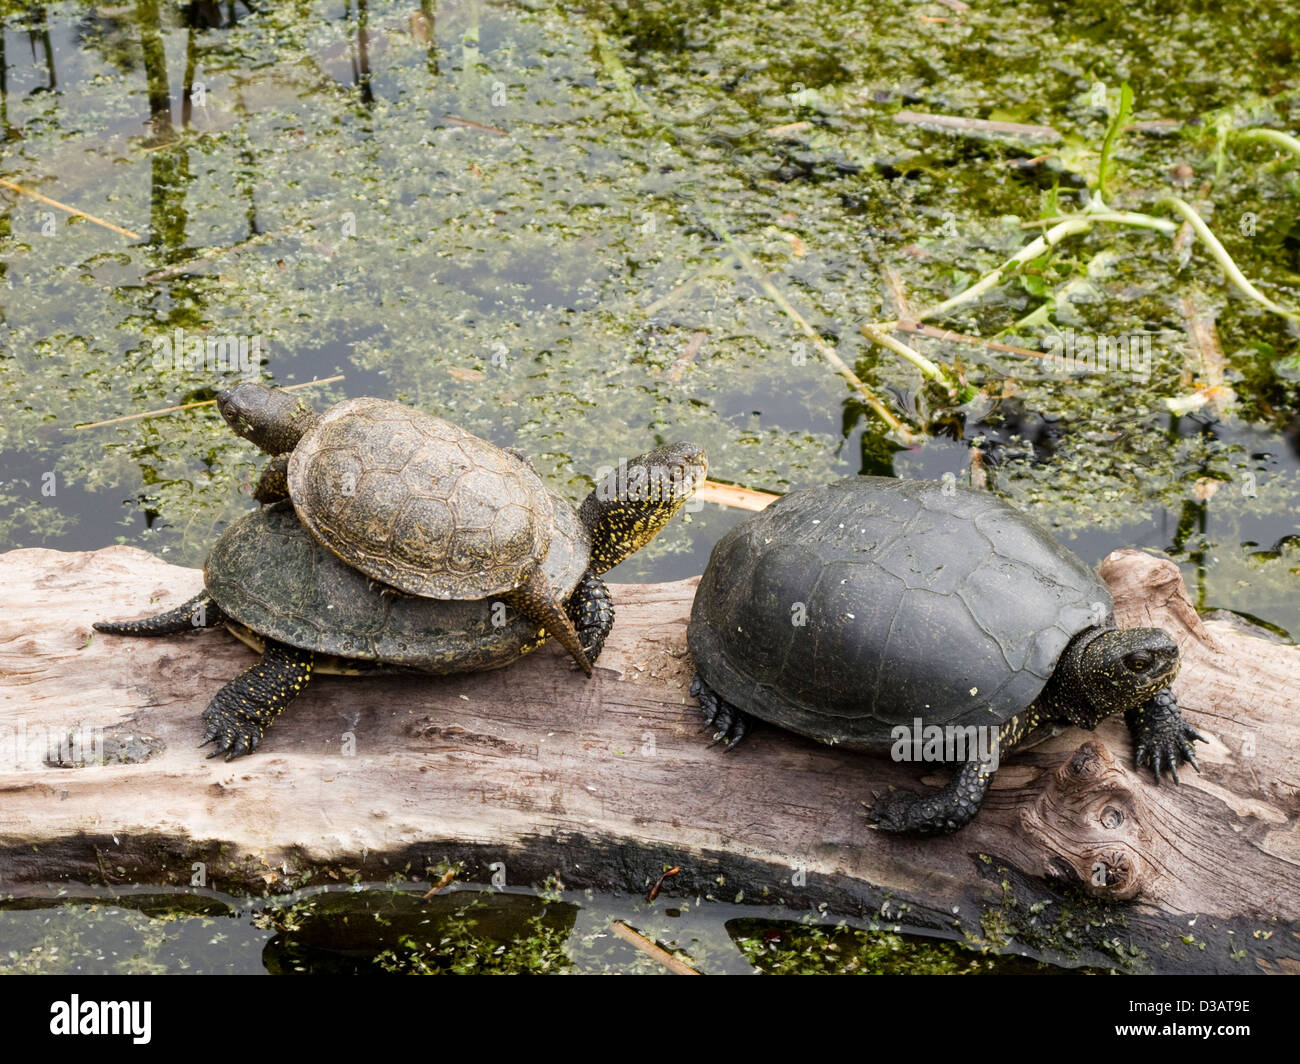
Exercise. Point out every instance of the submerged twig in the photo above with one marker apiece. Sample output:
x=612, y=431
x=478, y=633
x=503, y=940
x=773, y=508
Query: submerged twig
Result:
x=70, y=210
x=1209, y=377
x=168, y=273
x=708, y=269
x=976, y=125
x=689, y=352
x=896, y=292
x=191, y=406
x=734, y=496
x=650, y=949
x=978, y=341
x=471, y=124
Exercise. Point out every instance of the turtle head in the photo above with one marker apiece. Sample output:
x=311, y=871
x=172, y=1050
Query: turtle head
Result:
x=272, y=418
x=632, y=502
x=1113, y=670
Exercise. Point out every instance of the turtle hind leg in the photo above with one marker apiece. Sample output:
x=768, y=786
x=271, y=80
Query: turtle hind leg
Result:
x=942, y=813
x=591, y=609
x=239, y=714
x=198, y=612
x=729, y=723
x=536, y=601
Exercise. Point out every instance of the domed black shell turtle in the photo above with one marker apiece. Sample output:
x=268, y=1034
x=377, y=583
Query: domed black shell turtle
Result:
x=847, y=611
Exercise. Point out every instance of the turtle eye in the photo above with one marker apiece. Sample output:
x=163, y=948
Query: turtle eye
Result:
x=1138, y=662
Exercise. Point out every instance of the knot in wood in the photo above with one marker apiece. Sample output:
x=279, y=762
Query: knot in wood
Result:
x=1086, y=767
x=1113, y=873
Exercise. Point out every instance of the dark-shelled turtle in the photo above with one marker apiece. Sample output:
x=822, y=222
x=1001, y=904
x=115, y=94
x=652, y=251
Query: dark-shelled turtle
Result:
x=859, y=612
x=409, y=499
x=305, y=610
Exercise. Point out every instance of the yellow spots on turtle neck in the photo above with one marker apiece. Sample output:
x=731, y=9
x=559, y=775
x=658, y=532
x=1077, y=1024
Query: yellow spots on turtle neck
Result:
x=623, y=532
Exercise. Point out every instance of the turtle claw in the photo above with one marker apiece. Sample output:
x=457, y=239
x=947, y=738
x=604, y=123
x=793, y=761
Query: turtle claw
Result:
x=732, y=727
x=1163, y=739
x=236, y=733
x=729, y=724
x=241, y=747
x=237, y=717
x=894, y=811
x=232, y=742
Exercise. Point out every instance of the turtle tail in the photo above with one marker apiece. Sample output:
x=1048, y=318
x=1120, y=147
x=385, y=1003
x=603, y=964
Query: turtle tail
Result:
x=198, y=612
x=536, y=601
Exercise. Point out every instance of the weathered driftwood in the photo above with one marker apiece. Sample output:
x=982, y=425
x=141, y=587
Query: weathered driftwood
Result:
x=1075, y=856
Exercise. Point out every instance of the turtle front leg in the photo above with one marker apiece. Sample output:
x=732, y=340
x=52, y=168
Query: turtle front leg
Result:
x=239, y=714
x=1162, y=738
x=273, y=484
x=729, y=723
x=591, y=609
x=936, y=814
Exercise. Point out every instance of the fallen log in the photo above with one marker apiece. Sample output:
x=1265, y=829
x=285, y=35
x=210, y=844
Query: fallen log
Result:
x=532, y=771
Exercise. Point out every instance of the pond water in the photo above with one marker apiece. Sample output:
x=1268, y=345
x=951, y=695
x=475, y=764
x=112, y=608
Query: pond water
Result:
x=562, y=228
x=372, y=928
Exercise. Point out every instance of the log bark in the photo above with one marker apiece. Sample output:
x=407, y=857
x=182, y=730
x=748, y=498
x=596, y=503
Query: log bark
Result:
x=1075, y=857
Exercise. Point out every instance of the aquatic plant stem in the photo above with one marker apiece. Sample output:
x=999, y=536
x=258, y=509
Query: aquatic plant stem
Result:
x=1275, y=137
x=929, y=369
x=1130, y=218
x=1113, y=132
x=1221, y=256
x=1031, y=251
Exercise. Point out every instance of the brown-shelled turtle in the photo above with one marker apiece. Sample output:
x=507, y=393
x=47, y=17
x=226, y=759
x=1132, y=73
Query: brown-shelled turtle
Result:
x=270, y=581
x=409, y=499
x=864, y=611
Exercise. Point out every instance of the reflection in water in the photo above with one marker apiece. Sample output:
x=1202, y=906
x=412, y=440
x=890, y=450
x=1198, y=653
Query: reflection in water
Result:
x=424, y=28
x=170, y=169
x=41, y=36
x=340, y=933
x=361, y=57
x=155, y=68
